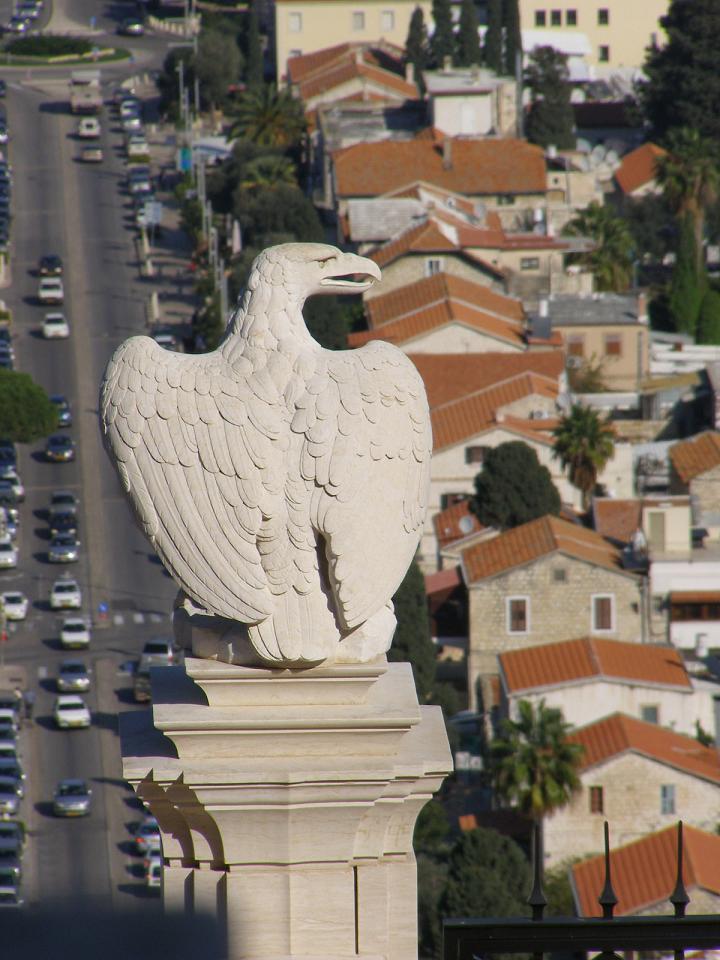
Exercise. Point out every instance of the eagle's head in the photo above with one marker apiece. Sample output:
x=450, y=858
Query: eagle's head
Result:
x=304, y=269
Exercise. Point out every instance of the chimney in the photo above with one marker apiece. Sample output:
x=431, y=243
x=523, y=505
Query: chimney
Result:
x=447, y=64
x=543, y=308
x=359, y=55
x=410, y=72
x=447, y=153
x=642, y=308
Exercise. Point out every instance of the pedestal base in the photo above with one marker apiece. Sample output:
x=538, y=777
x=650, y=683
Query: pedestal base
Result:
x=287, y=802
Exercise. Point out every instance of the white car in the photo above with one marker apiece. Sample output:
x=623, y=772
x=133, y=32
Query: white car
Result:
x=16, y=485
x=137, y=146
x=153, y=872
x=55, y=327
x=147, y=836
x=71, y=711
x=50, y=290
x=65, y=595
x=15, y=605
x=74, y=632
x=8, y=555
x=89, y=128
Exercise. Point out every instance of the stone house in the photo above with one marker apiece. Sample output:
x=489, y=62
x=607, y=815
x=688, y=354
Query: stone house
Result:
x=471, y=101
x=656, y=524
x=545, y=579
x=639, y=777
x=593, y=676
x=695, y=470
x=644, y=874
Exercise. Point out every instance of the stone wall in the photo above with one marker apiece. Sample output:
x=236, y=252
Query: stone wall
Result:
x=707, y=490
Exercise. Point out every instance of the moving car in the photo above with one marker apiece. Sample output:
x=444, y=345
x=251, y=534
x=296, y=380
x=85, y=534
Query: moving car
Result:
x=64, y=548
x=64, y=410
x=50, y=290
x=74, y=632
x=8, y=555
x=55, y=327
x=153, y=872
x=70, y=711
x=72, y=799
x=50, y=265
x=15, y=604
x=156, y=653
x=131, y=27
x=65, y=595
x=147, y=835
x=60, y=448
x=62, y=500
x=73, y=677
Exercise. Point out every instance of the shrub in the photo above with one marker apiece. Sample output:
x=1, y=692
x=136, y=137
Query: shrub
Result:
x=49, y=46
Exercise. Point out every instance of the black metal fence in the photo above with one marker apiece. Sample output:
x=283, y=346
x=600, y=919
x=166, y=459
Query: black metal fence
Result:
x=607, y=935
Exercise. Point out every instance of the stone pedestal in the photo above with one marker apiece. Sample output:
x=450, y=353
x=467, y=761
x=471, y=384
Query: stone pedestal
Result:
x=287, y=802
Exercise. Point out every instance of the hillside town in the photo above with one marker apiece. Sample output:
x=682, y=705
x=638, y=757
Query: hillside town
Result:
x=540, y=190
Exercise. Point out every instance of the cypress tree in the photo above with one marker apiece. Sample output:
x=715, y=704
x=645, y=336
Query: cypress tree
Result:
x=551, y=118
x=416, y=46
x=442, y=44
x=254, y=69
x=513, y=37
x=688, y=284
x=493, y=36
x=708, y=326
x=412, y=641
x=468, y=42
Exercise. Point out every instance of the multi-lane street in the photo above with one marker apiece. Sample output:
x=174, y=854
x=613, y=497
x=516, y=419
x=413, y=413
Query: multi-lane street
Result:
x=81, y=212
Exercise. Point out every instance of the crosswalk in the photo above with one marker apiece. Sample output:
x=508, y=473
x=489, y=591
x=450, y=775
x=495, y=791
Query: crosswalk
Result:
x=137, y=618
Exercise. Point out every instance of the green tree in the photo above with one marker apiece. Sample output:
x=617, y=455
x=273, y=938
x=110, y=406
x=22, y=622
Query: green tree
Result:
x=652, y=226
x=683, y=82
x=217, y=65
x=468, y=42
x=442, y=42
x=167, y=80
x=267, y=171
x=431, y=828
x=688, y=283
x=584, y=442
x=611, y=256
x=269, y=117
x=488, y=876
x=708, y=325
x=265, y=215
x=26, y=413
x=417, y=48
x=551, y=119
x=328, y=323
x=513, y=487
x=512, y=36
x=534, y=766
x=493, y=49
x=412, y=641
x=254, y=65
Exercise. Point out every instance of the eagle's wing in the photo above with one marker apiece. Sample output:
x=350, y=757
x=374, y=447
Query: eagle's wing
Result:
x=366, y=447
x=194, y=451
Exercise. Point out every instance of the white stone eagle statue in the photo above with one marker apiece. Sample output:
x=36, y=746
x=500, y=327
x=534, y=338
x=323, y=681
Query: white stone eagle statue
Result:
x=282, y=485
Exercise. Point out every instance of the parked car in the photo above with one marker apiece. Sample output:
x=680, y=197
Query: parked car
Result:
x=64, y=410
x=62, y=501
x=65, y=595
x=60, y=448
x=89, y=128
x=70, y=711
x=92, y=154
x=72, y=799
x=64, y=548
x=15, y=604
x=13, y=768
x=147, y=835
x=50, y=290
x=8, y=496
x=55, y=327
x=73, y=677
x=65, y=521
x=50, y=265
x=74, y=633
x=8, y=555
x=9, y=523
x=8, y=453
x=10, y=797
x=9, y=750
x=12, y=839
x=165, y=338
x=9, y=888
x=10, y=475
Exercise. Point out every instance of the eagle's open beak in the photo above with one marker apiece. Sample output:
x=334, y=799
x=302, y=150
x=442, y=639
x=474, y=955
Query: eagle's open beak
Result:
x=348, y=273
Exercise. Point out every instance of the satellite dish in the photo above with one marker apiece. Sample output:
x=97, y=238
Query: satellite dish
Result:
x=597, y=155
x=612, y=159
x=584, y=163
x=466, y=524
x=583, y=146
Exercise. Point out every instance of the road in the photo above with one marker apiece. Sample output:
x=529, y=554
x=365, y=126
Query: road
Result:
x=81, y=212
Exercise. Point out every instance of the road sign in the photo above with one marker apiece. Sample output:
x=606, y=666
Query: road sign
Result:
x=152, y=213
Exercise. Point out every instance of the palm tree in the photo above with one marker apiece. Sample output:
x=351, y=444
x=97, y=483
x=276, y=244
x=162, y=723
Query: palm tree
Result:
x=533, y=765
x=690, y=178
x=611, y=256
x=584, y=443
x=267, y=171
x=269, y=117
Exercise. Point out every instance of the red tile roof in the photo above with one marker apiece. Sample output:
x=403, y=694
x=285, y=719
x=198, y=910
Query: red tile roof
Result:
x=691, y=458
x=617, y=734
x=381, y=54
x=644, y=872
x=536, y=539
x=343, y=71
x=638, y=167
x=455, y=523
x=568, y=661
x=479, y=167
x=617, y=519
x=442, y=580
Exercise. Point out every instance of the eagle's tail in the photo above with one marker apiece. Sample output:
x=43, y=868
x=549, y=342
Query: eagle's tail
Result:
x=302, y=629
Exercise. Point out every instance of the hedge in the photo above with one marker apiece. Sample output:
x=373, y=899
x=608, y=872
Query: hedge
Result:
x=49, y=46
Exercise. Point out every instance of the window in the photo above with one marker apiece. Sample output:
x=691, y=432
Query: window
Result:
x=358, y=20
x=555, y=18
x=575, y=345
x=613, y=344
x=597, y=804
x=295, y=53
x=517, y=614
x=475, y=454
x=433, y=265
x=387, y=20
x=506, y=200
x=540, y=18
x=603, y=614
x=650, y=712
x=667, y=798
x=603, y=17
x=604, y=54
x=295, y=22
x=529, y=263
x=571, y=18
x=448, y=499
x=560, y=576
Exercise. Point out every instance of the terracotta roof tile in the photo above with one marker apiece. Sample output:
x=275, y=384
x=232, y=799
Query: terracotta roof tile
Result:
x=307, y=63
x=552, y=664
x=619, y=733
x=344, y=70
x=538, y=538
x=442, y=580
x=455, y=523
x=426, y=237
x=644, y=872
x=638, y=167
x=696, y=456
x=617, y=519
x=479, y=167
